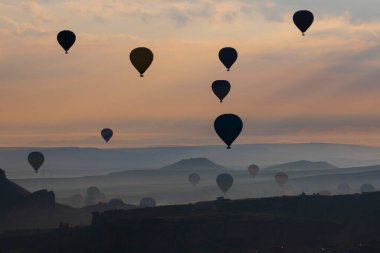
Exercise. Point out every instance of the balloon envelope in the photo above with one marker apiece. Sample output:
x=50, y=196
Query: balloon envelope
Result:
x=224, y=181
x=303, y=20
x=194, y=179
x=367, y=188
x=107, y=134
x=221, y=88
x=228, y=127
x=344, y=188
x=141, y=59
x=281, y=178
x=66, y=39
x=228, y=56
x=147, y=202
x=36, y=159
x=253, y=170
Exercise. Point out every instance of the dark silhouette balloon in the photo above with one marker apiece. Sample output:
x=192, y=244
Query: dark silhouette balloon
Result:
x=228, y=127
x=147, y=202
x=221, y=88
x=194, y=179
x=66, y=39
x=253, y=170
x=107, y=134
x=141, y=59
x=224, y=181
x=228, y=56
x=281, y=178
x=303, y=20
x=365, y=188
x=36, y=159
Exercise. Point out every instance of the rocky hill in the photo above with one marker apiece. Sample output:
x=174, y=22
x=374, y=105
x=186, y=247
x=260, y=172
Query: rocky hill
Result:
x=194, y=164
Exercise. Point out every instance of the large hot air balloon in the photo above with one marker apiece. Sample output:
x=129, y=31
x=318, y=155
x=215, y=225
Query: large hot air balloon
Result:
x=194, y=179
x=141, y=59
x=228, y=56
x=36, y=159
x=224, y=181
x=365, y=188
x=281, y=178
x=221, y=88
x=253, y=170
x=107, y=134
x=303, y=20
x=147, y=202
x=228, y=127
x=66, y=39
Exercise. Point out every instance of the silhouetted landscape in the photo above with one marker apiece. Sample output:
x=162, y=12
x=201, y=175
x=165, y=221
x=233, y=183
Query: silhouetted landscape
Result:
x=203, y=126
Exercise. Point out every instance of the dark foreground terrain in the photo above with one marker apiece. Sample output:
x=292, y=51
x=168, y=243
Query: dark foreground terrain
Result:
x=349, y=223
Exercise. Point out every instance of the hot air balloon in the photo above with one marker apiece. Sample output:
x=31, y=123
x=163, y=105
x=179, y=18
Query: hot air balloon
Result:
x=36, y=159
x=253, y=170
x=224, y=181
x=303, y=20
x=107, y=134
x=141, y=59
x=194, y=179
x=147, y=202
x=365, y=188
x=344, y=189
x=66, y=39
x=281, y=178
x=228, y=127
x=221, y=88
x=228, y=56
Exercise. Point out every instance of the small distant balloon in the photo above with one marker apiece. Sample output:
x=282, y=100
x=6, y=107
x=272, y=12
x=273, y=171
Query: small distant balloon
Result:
x=366, y=188
x=344, y=189
x=194, y=179
x=221, y=88
x=107, y=134
x=36, y=159
x=66, y=39
x=224, y=182
x=228, y=127
x=303, y=20
x=147, y=202
x=253, y=170
x=228, y=56
x=281, y=178
x=141, y=59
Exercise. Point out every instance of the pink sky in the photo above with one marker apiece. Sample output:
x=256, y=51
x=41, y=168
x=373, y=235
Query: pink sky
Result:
x=287, y=88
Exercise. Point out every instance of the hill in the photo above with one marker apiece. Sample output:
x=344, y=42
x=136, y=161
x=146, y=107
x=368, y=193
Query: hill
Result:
x=9, y=191
x=75, y=162
x=302, y=165
x=194, y=164
x=280, y=224
x=20, y=209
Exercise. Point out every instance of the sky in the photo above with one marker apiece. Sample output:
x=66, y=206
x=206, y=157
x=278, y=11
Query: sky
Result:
x=286, y=88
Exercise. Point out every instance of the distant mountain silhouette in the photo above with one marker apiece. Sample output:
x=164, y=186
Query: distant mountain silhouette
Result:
x=194, y=164
x=303, y=165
